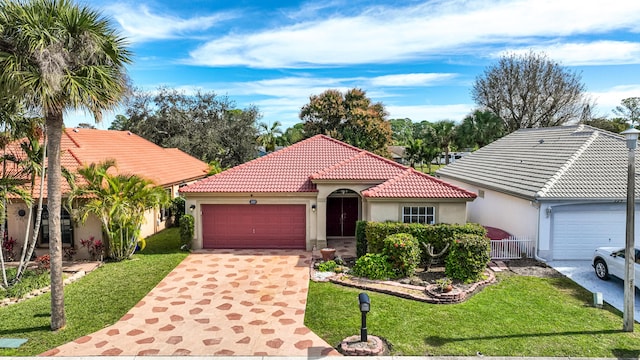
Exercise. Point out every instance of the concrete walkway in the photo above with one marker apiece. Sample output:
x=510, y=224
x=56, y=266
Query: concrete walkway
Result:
x=583, y=274
x=225, y=302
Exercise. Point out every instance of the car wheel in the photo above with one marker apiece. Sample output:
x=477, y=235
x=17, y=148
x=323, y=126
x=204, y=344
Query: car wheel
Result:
x=602, y=272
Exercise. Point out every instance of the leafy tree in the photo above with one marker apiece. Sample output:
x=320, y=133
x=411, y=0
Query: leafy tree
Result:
x=402, y=131
x=478, y=129
x=203, y=125
x=292, y=135
x=413, y=151
x=121, y=122
x=528, y=91
x=350, y=117
x=629, y=109
x=615, y=125
x=119, y=201
x=442, y=135
x=58, y=55
x=268, y=135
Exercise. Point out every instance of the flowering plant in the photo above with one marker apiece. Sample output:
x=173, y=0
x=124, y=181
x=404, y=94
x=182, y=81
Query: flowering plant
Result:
x=7, y=248
x=95, y=247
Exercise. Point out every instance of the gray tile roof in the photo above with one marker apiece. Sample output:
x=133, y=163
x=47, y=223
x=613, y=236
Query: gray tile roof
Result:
x=564, y=162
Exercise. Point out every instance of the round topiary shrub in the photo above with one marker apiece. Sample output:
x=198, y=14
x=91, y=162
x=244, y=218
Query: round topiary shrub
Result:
x=468, y=257
x=373, y=266
x=404, y=253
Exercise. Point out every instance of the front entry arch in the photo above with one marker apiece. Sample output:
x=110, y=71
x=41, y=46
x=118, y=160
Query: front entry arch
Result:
x=343, y=209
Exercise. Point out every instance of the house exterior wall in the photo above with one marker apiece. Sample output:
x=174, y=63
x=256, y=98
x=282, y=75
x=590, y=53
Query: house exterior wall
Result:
x=492, y=208
x=391, y=210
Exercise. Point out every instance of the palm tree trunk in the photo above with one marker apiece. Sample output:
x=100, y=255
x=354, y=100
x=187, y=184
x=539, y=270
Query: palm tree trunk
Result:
x=3, y=208
x=54, y=203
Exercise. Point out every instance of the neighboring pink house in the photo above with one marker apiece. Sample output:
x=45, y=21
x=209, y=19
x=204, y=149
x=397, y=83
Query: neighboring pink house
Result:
x=169, y=168
x=314, y=190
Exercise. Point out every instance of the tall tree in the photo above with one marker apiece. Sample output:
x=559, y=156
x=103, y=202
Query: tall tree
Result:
x=442, y=135
x=629, y=109
x=61, y=56
x=203, y=125
x=528, y=91
x=479, y=129
x=402, y=131
x=350, y=117
x=269, y=134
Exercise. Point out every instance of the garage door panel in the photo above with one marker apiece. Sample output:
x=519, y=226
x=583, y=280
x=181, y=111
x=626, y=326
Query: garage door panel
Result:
x=254, y=226
x=576, y=234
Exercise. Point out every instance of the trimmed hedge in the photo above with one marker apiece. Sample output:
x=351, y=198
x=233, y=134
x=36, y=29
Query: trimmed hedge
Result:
x=437, y=235
x=468, y=257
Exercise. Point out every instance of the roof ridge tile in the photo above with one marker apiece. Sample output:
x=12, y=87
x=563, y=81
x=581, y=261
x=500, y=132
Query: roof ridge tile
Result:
x=328, y=169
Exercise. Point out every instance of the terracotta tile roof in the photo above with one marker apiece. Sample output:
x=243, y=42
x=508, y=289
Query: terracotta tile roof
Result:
x=414, y=184
x=320, y=158
x=132, y=153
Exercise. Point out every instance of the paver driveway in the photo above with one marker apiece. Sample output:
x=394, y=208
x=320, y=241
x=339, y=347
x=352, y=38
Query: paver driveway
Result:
x=224, y=302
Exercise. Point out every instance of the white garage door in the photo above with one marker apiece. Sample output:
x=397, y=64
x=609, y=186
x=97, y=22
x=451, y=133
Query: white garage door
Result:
x=575, y=234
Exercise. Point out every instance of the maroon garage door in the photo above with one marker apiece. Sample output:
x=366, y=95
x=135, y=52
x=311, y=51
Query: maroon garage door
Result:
x=253, y=226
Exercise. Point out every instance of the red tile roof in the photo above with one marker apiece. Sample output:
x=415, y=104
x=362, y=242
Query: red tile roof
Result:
x=320, y=158
x=132, y=153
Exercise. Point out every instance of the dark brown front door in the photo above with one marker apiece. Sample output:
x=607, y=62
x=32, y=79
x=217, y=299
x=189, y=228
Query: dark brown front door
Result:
x=342, y=214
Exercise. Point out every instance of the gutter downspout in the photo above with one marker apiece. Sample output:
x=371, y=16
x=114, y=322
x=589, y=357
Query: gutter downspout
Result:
x=535, y=255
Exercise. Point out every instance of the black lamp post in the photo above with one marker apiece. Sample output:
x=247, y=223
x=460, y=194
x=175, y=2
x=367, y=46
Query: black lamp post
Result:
x=365, y=305
x=631, y=135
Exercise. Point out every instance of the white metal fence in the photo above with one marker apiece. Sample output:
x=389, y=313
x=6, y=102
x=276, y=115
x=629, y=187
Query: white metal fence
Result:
x=512, y=248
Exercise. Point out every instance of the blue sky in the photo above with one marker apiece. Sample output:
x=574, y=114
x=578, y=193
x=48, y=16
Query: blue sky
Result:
x=419, y=58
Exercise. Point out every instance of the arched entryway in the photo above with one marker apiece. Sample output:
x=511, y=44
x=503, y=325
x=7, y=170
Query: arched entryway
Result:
x=343, y=210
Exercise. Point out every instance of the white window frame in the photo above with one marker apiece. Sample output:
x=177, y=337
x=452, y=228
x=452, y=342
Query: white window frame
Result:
x=417, y=213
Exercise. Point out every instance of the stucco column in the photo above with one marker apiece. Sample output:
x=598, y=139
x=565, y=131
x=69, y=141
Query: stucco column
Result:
x=321, y=224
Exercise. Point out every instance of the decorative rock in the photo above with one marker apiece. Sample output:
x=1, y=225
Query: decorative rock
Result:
x=374, y=346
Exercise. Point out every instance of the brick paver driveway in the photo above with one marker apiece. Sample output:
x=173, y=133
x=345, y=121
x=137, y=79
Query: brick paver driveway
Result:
x=224, y=302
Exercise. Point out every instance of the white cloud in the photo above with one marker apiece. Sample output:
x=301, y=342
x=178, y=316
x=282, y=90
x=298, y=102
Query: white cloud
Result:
x=140, y=24
x=432, y=28
x=415, y=79
x=608, y=99
x=593, y=53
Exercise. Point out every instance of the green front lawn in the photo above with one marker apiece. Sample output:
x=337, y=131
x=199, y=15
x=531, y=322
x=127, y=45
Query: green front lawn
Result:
x=519, y=316
x=98, y=300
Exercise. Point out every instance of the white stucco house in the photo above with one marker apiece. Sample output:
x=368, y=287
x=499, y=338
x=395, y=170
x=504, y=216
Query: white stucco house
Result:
x=564, y=187
x=314, y=190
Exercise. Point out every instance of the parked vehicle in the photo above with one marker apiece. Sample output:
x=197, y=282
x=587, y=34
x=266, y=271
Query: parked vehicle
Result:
x=610, y=261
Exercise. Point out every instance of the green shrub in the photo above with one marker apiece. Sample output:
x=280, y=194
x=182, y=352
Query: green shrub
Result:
x=361, y=238
x=177, y=210
x=468, y=257
x=31, y=280
x=186, y=231
x=403, y=252
x=373, y=266
x=438, y=235
x=327, y=266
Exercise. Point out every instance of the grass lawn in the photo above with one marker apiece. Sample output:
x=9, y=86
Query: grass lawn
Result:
x=519, y=316
x=97, y=300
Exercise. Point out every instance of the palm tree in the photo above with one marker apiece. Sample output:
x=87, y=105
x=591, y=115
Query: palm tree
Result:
x=442, y=133
x=268, y=135
x=60, y=56
x=412, y=151
x=479, y=129
x=119, y=201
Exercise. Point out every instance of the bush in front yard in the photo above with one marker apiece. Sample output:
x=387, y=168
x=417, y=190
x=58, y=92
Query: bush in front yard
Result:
x=403, y=252
x=186, y=231
x=373, y=266
x=361, y=238
x=468, y=257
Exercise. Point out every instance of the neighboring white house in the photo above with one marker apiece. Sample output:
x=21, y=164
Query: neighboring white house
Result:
x=564, y=187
